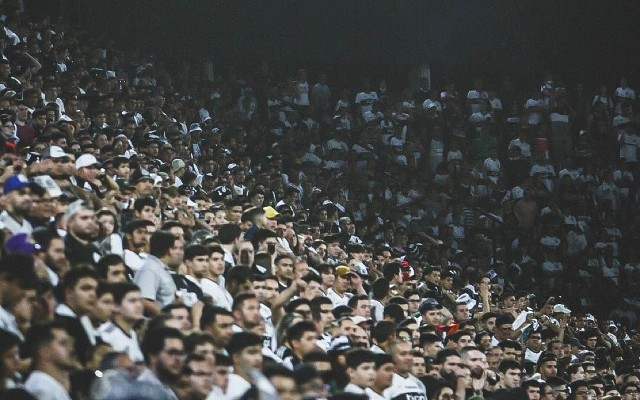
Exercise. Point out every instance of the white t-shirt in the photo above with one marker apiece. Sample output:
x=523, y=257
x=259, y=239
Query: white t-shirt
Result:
x=366, y=100
x=336, y=299
x=121, y=341
x=220, y=295
x=44, y=387
x=405, y=389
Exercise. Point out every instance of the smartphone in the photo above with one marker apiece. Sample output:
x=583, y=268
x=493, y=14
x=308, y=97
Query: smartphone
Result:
x=271, y=248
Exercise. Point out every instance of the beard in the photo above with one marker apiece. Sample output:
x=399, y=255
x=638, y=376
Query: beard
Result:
x=87, y=235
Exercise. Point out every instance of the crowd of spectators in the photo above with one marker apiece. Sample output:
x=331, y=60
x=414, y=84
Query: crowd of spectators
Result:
x=180, y=232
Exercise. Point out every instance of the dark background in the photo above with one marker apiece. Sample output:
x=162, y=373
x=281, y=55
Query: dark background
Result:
x=587, y=41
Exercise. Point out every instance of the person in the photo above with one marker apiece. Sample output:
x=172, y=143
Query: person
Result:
x=361, y=371
x=245, y=350
x=200, y=372
x=218, y=322
x=119, y=332
x=302, y=337
x=404, y=385
x=51, y=347
x=82, y=230
x=79, y=300
x=163, y=350
x=154, y=278
x=16, y=190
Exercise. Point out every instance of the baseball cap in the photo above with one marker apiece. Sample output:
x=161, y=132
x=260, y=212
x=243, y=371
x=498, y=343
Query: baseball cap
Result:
x=47, y=183
x=429, y=304
x=140, y=174
x=360, y=319
x=339, y=343
x=86, y=160
x=270, y=212
x=343, y=270
x=561, y=308
x=15, y=182
x=195, y=127
x=21, y=243
x=53, y=152
x=177, y=164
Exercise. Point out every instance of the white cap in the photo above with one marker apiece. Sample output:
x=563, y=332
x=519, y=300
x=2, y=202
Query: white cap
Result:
x=86, y=160
x=561, y=308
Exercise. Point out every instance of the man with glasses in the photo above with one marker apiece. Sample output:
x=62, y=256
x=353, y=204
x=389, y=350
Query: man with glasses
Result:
x=630, y=391
x=163, y=350
x=559, y=389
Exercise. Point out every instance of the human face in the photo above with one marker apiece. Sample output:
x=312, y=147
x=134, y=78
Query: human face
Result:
x=82, y=297
x=534, y=342
x=221, y=376
x=104, y=308
x=198, y=266
x=433, y=277
x=418, y=368
x=234, y=214
x=60, y=350
x=326, y=316
x=548, y=368
x=462, y=312
x=477, y=361
x=347, y=327
x=363, y=309
x=631, y=392
x=221, y=329
x=328, y=278
x=176, y=253
x=147, y=212
x=384, y=376
x=23, y=308
x=284, y=269
x=286, y=388
x=534, y=393
x=171, y=358
x=510, y=354
x=182, y=317
x=464, y=341
x=20, y=201
x=490, y=325
x=55, y=257
x=132, y=307
x=84, y=225
x=432, y=349
x=333, y=249
x=451, y=364
x=414, y=303
x=432, y=317
x=139, y=238
x=402, y=357
x=123, y=170
x=306, y=344
x=201, y=378
x=511, y=378
x=270, y=289
x=116, y=273
x=250, y=357
x=248, y=316
x=446, y=394
x=341, y=283
x=143, y=188
x=363, y=375
x=216, y=264
x=313, y=290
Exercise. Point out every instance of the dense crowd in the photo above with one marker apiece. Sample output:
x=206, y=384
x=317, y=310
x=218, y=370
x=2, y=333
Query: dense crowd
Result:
x=175, y=231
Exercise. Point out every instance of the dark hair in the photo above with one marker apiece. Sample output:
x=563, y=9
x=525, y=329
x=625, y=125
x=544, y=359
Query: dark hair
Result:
x=356, y=357
x=316, y=356
x=238, y=275
x=380, y=288
x=196, y=339
x=394, y=311
x=261, y=235
x=120, y=290
x=509, y=344
x=209, y=314
x=353, y=301
x=141, y=203
x=215, y=248
x=383, y=330
x=74, y=275
x=391, y=269
x=240, y=298
x=39, y=335
x=19, y=270
x=293, y=304
x=195, y=250
x=427, y=338
x=241, y=340
x=161, y=243
x=442, y=355
x=153, y=342
x=107, y=261
x=297, y=330
x=315, y=306
x=506, y=365
x=227, y=233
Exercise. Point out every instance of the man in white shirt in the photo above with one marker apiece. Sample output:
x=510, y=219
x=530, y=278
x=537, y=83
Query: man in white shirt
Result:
x=213, y=285
x=384, y=377
x=338, y=293
x=119, y=332
x=51, y=347
x=136, y=243
x=404, y=385
x=245, y=350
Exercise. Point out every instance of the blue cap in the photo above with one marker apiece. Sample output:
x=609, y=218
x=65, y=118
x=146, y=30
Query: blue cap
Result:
x=15, y=182
x=21, y=243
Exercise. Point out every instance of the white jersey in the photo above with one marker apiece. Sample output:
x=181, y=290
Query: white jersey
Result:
x=112, y=334
x=408, y=388
x=336, y=299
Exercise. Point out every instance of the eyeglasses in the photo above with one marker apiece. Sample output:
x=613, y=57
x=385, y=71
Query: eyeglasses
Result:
x=174, y=353
x=632, y=392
